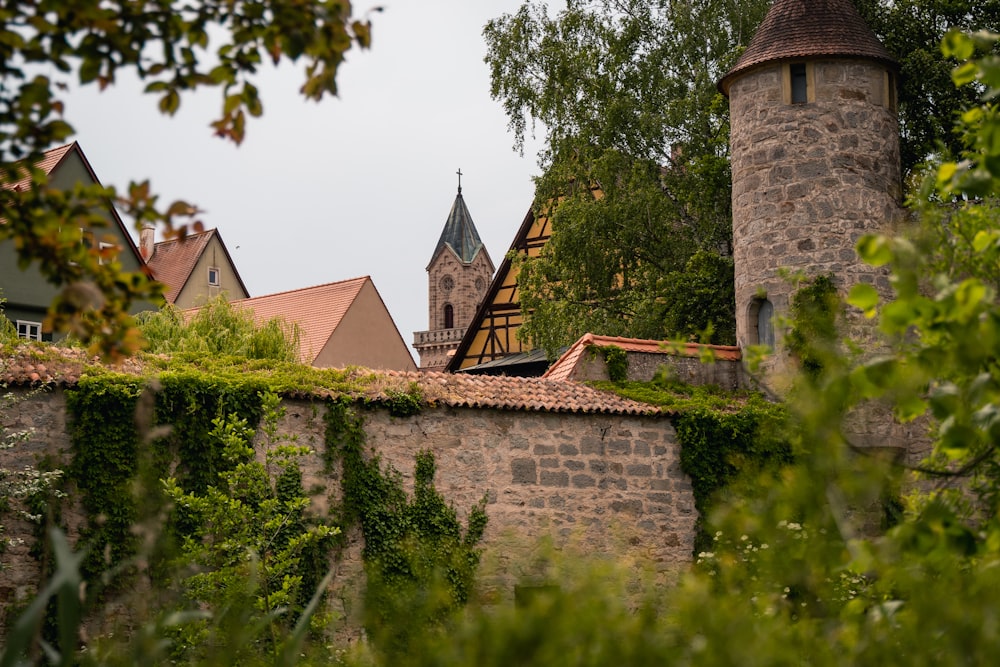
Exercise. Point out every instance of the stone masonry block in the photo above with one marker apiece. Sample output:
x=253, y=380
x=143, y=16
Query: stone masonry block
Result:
x=639, y=470
x=550, y=478
x=522, y=471
x=619, y=447
x=592, y=445
x=545, y=450
x=568, y=450
x=583, y=481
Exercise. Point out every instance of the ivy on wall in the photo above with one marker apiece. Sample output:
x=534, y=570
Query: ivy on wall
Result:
x=419, y=562
x=721, y=434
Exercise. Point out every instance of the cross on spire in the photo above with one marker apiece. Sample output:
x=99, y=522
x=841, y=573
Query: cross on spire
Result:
x=459, y=172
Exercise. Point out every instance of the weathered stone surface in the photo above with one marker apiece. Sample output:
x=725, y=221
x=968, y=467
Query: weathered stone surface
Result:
x=594, y=496
x=830, y=168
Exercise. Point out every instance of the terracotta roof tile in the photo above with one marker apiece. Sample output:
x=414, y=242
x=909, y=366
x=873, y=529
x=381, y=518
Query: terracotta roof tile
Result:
x=317, y=310
x=563, y=367
x=63, y=367
x=174, y=260
x=51, y=158
x=520, y=393
x=808, y=29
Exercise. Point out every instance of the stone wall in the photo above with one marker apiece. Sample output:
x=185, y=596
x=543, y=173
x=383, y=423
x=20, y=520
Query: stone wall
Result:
x=611, y=484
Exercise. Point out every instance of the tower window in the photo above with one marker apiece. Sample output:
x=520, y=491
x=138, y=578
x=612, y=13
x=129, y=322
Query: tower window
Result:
x=761, y=321
x=449, y=316
x=799, y=83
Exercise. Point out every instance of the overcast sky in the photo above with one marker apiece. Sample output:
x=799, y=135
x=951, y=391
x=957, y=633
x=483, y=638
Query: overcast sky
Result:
x=356, y=185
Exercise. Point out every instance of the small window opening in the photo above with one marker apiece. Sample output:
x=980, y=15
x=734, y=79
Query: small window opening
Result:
x=800, y=93
x=213, y=277
x=761, y=323
x=449, y=316
x=29, y=330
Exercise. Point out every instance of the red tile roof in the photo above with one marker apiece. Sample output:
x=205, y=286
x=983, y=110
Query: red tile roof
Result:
x=809, y=29
x=63, y=367
x=563, y=367
x=51, y=158
x=520, y=393
x=174, y=260
x=317, y=310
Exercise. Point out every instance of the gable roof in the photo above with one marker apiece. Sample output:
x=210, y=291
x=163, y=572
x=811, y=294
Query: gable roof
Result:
x=460, y=234
x=564, y=366
x=317, y=311
x=521, y=244
x=809, y=29
x=173, y=261
x=50, y=162
x=50, y=159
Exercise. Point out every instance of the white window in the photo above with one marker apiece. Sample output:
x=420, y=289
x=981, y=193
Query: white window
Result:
x=106, y=257
x=29, y=330
x=213, y=277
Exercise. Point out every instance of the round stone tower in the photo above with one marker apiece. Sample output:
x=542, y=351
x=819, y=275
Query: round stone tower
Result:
x=815, y=155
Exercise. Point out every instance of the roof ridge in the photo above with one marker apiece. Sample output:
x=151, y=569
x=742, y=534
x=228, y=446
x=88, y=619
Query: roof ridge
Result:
x=303, y=289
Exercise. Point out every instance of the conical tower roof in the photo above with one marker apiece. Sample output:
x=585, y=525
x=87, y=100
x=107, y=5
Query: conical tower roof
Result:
x=459, y=232
x=796, y=29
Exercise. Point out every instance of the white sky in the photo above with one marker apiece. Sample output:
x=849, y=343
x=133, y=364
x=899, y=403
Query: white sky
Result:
x=355, y=185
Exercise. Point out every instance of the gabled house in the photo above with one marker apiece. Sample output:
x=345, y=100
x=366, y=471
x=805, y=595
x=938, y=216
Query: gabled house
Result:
x=27, y=293
x=490, y=344
x=341, y=324
x=193, y=270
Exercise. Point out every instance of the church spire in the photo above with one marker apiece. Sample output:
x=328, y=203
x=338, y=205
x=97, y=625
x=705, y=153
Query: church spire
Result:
x=459, y=232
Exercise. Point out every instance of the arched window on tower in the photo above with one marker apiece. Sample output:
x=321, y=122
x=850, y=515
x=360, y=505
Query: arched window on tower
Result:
x=761, y=316
x=449, y=316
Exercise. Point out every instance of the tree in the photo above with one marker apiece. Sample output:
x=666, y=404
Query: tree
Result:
x=174, y=49
x=929, y=103
x=636, y=156
x=636, y=153
x=219, y=328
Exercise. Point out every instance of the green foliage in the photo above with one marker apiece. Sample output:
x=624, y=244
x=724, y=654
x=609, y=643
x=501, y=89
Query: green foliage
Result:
x=45, y=47
x=8, y=332
x=929, y=103
x=105, y=461
x=816, y=312
x=616, y=360
x=635, y=156
x=724, y=438
x=419, y=563
x=219, y=328
x=701, y=300
x=251, y=527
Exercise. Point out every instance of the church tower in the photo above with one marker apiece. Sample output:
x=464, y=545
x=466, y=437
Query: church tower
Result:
x=458, y=276
x=815, y=155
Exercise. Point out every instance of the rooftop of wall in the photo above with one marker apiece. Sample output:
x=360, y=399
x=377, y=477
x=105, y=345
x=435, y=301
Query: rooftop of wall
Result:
x=562, y=368
x=26, y=365
x=795, y=29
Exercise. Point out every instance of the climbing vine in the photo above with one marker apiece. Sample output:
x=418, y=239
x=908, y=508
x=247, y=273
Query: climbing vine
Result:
x=815, y=311
x=722, y=435
x=616, y=360
x=419, y=562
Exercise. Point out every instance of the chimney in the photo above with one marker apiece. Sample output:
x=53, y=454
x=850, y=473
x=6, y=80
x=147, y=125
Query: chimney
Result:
x=147, y=237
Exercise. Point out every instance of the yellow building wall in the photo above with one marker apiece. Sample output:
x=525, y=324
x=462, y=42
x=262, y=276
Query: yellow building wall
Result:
x=197, y=291
x=366, y=336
